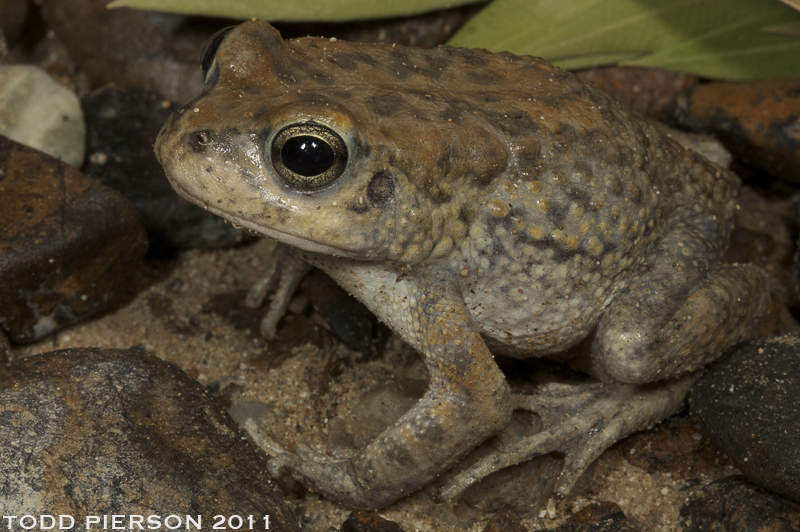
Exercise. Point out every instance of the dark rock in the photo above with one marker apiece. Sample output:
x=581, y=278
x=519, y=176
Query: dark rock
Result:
x=504, y=522
x=12, y=20
x=296, y=330
x=162, y=308
x=424, y=30
x=748, y=403
x=69, y=248
x=347, y=317
x=756, y=120
x=676, y=447
x=121, y=127
x=598, y=517
x=368, y=521
x=94, y=432
x=651, y=92
x=5, y=350
x=733, y=504
x=130, y=48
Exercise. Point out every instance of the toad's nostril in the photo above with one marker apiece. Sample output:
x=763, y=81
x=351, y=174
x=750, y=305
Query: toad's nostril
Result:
x=200, y=139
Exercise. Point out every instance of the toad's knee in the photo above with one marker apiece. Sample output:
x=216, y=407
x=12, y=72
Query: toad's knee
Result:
x=626, y=356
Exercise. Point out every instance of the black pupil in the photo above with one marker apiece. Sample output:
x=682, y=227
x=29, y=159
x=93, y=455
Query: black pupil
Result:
x=307, y=155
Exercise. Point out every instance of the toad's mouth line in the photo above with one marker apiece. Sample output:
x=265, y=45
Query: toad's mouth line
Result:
x=281, y=236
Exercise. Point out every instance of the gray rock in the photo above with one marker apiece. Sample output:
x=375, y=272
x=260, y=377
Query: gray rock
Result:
x=93, y=432
x=40, y=113
x=748, y=403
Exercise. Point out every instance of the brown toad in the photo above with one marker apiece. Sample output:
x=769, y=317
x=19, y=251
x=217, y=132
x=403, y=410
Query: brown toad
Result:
x=478, y=203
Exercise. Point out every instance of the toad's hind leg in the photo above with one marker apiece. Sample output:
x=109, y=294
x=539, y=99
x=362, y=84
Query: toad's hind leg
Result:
x=680, y=311
x=677, y=312
x=581, y=421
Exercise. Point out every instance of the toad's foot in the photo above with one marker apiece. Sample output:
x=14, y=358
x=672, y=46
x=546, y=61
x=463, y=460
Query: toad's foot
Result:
x=286, y=270
x=580, y=421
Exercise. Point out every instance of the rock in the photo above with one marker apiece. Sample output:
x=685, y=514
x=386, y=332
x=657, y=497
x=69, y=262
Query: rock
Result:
x=5, y=351
x=756, y=120
x=348, y=318
x=40, y=113
x=708, y=147
x=748, y=403
x=598, y=517
x=368, y=521
x=130, y=48
x=651, y=92
x=733, y=504
x=675, y=446
x=69, y=246
x=108, y=431
x=121, y=128
x=12, y=19
x=504, y=522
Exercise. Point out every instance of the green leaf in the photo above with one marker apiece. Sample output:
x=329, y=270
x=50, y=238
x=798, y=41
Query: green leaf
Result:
x=293, y=10
x=792, y=29
x=739, y=39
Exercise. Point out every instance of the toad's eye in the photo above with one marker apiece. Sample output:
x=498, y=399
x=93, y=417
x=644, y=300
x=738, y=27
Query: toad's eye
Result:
x=210, y=49
x=308, y=156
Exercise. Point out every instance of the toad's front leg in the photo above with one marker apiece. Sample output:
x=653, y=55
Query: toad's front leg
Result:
x=467, y=401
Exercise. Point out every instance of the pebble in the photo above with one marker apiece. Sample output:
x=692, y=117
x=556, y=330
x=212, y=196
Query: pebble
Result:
x=757, y=121
x=37, y=111
x=368, y=521
x=121, y=127
x=504, y=522
x=92, y=431
x=734, y=504
x=601, y=516
x=69, y=247
x=748, y=403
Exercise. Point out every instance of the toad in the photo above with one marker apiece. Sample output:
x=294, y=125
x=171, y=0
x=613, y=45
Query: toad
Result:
x=479, y=204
